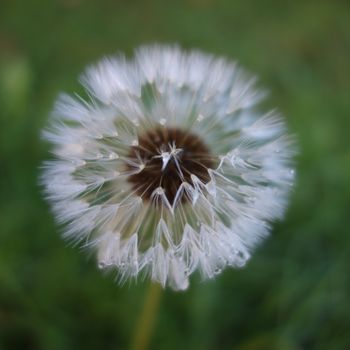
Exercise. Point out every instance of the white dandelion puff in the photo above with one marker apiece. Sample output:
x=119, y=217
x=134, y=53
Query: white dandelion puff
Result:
x=169, y=168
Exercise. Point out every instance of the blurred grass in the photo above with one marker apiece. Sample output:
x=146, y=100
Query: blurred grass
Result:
x=294, y=294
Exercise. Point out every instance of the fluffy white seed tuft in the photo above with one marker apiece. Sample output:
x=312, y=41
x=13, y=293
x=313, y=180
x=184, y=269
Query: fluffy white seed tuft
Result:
x=159, y=207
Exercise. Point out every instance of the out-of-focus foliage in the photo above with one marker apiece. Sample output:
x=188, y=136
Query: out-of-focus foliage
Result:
x=294, y=294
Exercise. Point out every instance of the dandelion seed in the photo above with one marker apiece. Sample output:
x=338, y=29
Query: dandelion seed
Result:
x=169, y=168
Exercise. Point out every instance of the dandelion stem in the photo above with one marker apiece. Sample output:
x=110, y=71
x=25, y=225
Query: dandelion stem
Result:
x=147, y=318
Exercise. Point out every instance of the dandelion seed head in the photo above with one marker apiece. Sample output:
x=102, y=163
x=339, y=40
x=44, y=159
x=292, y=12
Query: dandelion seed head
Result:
x=169, y=167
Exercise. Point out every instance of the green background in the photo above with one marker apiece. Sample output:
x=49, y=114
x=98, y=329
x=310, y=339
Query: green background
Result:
x=294, y=293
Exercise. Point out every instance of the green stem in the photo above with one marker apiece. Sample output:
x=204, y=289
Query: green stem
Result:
x=147, y=318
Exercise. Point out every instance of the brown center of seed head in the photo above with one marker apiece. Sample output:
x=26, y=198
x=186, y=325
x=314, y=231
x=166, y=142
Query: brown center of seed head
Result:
x=169, y=157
